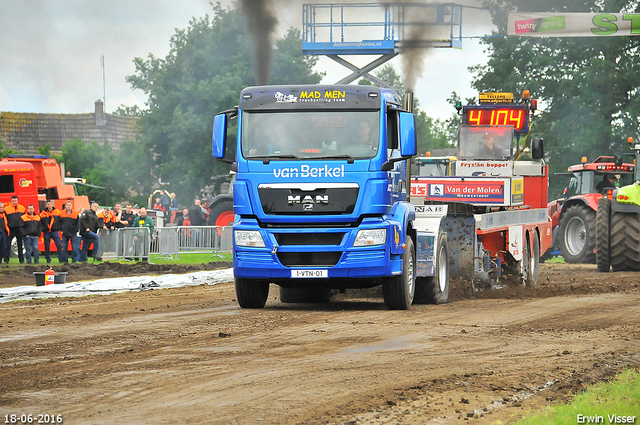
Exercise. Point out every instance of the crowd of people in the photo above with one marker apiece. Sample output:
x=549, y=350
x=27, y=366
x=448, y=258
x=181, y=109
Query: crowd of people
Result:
x=80, y=230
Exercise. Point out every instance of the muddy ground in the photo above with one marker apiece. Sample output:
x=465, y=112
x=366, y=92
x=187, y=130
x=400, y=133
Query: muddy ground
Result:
x=191, y=355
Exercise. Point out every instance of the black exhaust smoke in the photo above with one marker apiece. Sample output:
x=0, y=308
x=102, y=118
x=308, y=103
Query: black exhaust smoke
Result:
x=416, y=33
x=261, y=22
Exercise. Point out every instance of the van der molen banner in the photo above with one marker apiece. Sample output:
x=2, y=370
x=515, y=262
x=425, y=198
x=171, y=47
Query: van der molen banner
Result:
x=573, y=24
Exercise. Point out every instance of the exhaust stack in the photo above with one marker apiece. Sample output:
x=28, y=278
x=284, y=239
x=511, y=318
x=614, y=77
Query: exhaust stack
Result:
x=408, y=106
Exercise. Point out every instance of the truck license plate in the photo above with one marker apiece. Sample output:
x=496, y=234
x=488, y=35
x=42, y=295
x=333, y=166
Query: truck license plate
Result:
x=309, y=273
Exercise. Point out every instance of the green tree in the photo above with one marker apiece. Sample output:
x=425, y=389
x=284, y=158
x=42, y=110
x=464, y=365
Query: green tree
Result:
x=130, y=111
x=6, y=152
x=44, y=150
x=588, y=85
x=123, y=174
x=208, y=64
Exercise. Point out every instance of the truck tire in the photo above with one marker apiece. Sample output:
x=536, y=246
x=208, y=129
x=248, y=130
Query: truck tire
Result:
x=525, y=263
x=578, y=235
x=624, y=241
x=305, y=295
x=221, y=214
x=603, y=260
x=435, y=289
x=398, y=291
x=534, y=261
x=251, y=293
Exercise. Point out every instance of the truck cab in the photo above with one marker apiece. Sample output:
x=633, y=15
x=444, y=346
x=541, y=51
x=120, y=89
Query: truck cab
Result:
x=320, y=191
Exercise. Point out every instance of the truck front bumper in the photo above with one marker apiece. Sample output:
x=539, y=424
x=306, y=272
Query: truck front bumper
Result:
x=290, y=249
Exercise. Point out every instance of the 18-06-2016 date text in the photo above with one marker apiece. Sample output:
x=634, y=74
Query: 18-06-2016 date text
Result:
x=32, y=419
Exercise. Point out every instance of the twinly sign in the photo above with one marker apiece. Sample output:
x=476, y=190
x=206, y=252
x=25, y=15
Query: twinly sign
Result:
x=573, y=24
x=304, y=171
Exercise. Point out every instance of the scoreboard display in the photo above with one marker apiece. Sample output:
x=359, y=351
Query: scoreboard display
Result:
x=516, y=116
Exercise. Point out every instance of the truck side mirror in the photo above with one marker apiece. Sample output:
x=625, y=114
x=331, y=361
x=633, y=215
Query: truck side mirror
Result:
x=219, y=135
x=407, y=124
x=537, y=148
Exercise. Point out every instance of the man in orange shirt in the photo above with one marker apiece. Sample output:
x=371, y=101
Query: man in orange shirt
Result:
x=31, y=229
x=14, y=212
x=51, y=221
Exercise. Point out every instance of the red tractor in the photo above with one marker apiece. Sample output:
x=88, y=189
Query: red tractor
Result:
x=573, y=216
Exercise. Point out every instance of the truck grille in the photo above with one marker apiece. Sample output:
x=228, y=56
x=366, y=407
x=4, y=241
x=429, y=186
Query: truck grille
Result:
x=291, y=201
x=309, y=259
x=309, y=238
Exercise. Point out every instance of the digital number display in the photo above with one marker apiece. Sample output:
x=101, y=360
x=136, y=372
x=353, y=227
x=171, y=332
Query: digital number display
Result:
x=498, y=116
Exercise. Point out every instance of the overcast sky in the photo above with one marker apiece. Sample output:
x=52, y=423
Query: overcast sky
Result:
x=50, y=52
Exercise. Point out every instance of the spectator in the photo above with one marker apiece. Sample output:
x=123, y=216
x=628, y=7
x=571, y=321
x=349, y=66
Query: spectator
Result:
x=51, y=221
x=165, y=201
x=125, y=220
x=195, y=214
x=69, y=226
x=4, y=232
x=128, y=216
x=158, y=205
x=141, y=247
x=31, y=229
x=174, y=203
x=106, y=221
x=106, y=224
x=183, y=220
x=118, y=221
x=89, y=232
x=14, y=212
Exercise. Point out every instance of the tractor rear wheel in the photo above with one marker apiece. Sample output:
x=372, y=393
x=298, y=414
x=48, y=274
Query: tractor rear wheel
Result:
x=603, y=259
x=578, y=235
x=624, y=241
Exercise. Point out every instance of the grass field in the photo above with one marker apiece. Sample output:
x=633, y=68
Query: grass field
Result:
x=612, y=402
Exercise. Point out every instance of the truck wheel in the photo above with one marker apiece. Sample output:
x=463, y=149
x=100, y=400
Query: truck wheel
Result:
x=578, y=235
x=602, y=234
x=435, y=289
x=398, y=291
x=251, y=293
x=525, y=263
x=305, y=295
x=221, y=214
x=624, y=241
x=534, y=261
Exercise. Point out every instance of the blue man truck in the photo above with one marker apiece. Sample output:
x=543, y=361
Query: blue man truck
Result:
x=320, y=197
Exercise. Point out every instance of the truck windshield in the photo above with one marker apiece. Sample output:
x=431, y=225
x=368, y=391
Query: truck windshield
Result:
x=310, y=135
x=490, y=142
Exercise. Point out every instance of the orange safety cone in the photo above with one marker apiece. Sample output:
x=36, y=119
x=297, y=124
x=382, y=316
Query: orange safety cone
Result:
x=49, y=276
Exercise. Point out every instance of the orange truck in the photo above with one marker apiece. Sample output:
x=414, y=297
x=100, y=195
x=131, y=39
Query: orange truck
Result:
x=34, y=179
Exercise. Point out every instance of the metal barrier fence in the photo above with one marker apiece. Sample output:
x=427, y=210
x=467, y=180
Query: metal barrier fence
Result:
x=133, y=243
x=172, y=241
x=168, y=242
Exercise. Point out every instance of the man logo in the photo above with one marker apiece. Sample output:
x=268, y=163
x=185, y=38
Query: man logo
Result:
x=308, y=199
x=436, y=190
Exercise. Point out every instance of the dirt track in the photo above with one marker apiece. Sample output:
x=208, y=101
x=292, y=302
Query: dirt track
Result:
x=191, y=355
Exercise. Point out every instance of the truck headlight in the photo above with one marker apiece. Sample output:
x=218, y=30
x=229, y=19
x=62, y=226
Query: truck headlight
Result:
x=248, y=238
x=371, y=237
